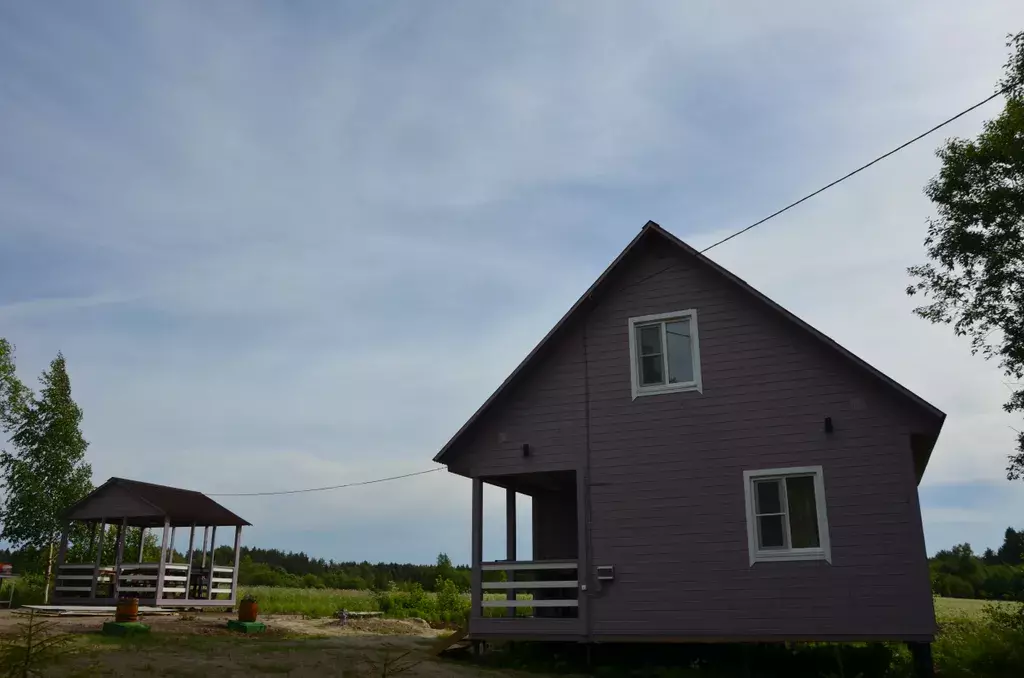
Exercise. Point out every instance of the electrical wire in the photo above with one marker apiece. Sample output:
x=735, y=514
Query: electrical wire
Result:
x=709, y=247
x=858, y=170
x=323, y=489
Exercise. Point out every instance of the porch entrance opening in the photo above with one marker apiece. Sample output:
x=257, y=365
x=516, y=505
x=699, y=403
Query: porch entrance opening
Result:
x=548, y=585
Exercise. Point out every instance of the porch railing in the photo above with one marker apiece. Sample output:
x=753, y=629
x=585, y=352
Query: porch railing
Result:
x=554, y=585
x=82, y=581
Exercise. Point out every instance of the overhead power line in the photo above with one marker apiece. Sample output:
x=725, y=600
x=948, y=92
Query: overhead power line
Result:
x=859, y=169
x=709, y=247
x=324, y=489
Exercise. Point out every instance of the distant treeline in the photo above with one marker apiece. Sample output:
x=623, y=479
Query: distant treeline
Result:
x=994, y=575
x=271, y=567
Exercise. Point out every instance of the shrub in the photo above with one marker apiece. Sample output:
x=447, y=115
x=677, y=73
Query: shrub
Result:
x=992, y=646
x=452, y=607
x=413, y=602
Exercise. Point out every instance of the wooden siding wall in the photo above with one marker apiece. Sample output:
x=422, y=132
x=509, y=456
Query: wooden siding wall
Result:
x=665, y=472
x=554, y=525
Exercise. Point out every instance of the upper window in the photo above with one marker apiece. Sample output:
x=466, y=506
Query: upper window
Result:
x=786, y=514
x=663, y=353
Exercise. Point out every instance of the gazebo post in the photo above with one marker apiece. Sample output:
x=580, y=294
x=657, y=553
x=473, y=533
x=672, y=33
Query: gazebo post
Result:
x=163, y=561
x=142, y=542
x=99, y=556
x=238, y=554
x=213, y=542
x=61, y=553
x=92, y=538
x=188, y=572
x=119, y=555
x=170, y=549
x=206, y=533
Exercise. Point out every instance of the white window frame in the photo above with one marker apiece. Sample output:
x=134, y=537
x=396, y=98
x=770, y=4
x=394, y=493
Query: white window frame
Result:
x=823, y=551
x=634, y=364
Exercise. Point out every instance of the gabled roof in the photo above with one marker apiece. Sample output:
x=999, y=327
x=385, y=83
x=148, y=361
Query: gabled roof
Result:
x=148, y=504
x=652, y=230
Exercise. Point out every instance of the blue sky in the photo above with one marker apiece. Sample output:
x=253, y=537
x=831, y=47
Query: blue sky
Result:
x=296, y=244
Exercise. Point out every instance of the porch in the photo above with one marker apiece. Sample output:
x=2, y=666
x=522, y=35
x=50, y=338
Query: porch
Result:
x=103, y=575
x=539, y=598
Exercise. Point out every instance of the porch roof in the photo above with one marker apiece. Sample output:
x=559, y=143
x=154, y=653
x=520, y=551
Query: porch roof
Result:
x=149, y=505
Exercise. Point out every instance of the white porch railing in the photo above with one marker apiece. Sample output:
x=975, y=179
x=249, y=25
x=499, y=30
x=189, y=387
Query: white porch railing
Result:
x=81, y=581
x=555, y=584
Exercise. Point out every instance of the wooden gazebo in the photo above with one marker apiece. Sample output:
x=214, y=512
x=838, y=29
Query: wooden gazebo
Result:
x=188, y=579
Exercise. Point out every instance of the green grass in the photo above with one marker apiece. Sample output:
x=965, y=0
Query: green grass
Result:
x=310, y=602
x=950, y=609
x=326, y=602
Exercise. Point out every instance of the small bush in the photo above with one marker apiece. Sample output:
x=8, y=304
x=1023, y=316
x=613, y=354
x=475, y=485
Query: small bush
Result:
x=413, y=602
x=28, y=590
x=452, y=607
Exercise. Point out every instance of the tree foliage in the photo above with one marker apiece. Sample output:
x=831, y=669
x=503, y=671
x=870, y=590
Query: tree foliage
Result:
x=45, y=471
x=14, y=396
x=975, y=243
x=997, y=575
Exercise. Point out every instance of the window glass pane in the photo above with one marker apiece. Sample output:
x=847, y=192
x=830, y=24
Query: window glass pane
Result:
x=767, y=493
x=769, y=532
x=680, y=356
x=651, y=370
x=649, y=339
x=803, y=513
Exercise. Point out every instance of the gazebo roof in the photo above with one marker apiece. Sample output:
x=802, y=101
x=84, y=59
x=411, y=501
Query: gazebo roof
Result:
x=148, y=505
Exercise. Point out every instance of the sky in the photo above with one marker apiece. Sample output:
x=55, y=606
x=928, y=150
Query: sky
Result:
x=288, y=245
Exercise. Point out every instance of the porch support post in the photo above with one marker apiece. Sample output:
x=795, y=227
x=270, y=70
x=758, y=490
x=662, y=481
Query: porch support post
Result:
x=102, y=534
x=119, y=556
x=213, y=547
x=921, y=653
x=583, y=550
x=206, y=533
x=161, y=569
x=61, y=553
x=476, y=595
x=238, y=555
x=510, y=544
x=170, y=549
x=92, y=539
x=142, y=543
x=188, y=572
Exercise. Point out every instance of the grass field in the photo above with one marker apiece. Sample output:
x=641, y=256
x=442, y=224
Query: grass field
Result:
x=310, y=602
x=325, y=602
x=963, y=608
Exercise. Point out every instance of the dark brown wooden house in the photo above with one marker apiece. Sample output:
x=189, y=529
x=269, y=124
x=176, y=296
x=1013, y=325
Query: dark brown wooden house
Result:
x=185, y=579
x=703, y=466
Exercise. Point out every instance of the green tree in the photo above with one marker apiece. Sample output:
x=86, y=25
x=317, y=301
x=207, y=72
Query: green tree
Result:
x=1012, y=550
x=45, y=472
x=976, y=242
x=14, y=396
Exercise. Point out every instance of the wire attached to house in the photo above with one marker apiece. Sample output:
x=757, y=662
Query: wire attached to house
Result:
x=858, y=170
x=324, y=489
x=709, y=247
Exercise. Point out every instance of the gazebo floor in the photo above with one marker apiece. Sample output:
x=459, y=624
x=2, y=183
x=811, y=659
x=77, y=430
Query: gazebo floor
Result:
x=87, y=610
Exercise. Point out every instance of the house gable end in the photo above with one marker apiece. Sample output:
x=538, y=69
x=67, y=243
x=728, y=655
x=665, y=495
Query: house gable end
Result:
x=639, y=278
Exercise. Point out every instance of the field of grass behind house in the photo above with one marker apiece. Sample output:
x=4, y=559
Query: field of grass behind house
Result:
x=310, y=602
x=327, y=602
x=949, y=609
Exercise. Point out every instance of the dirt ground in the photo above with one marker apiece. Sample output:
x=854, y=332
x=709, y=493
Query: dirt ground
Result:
x=201, y=645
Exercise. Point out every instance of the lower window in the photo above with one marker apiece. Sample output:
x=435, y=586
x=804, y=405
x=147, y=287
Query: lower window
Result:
x=786, y=518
